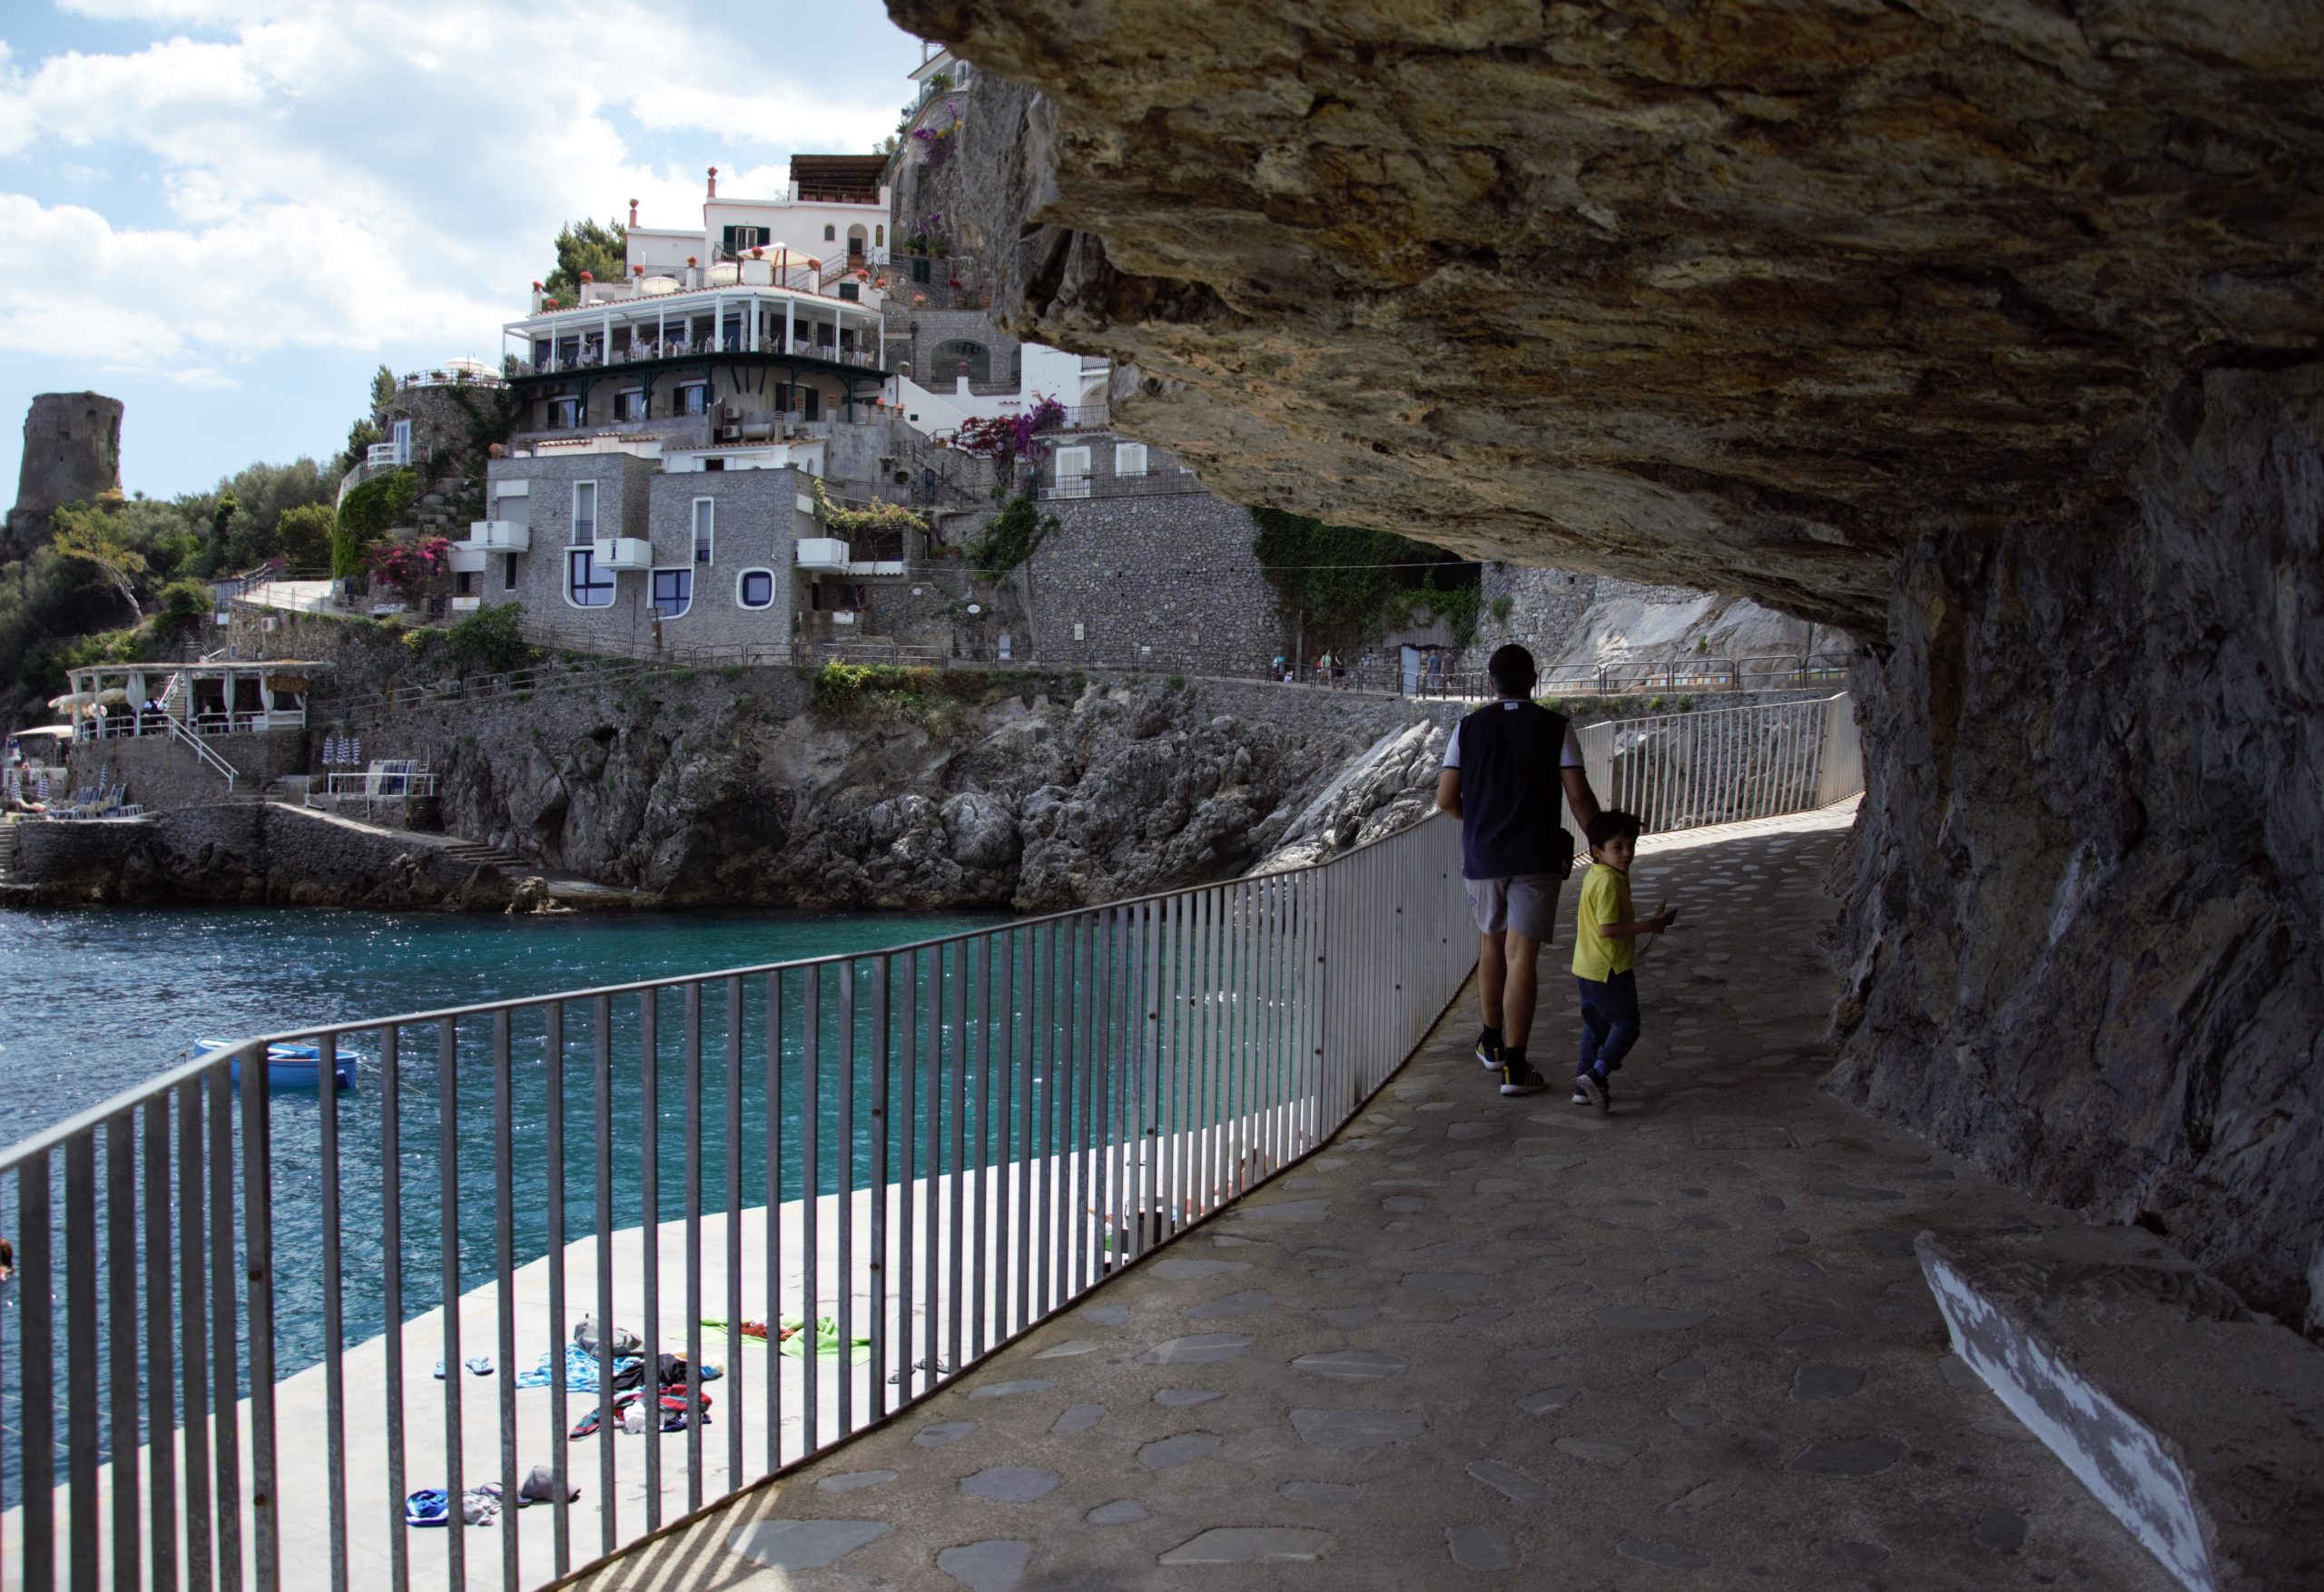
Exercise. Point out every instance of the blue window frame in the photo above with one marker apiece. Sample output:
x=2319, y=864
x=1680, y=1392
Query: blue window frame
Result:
x=586, y=584
x=673, y=591
x=755, y=589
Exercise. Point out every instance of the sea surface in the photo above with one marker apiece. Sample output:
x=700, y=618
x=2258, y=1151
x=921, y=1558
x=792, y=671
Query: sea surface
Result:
x=97, y=1002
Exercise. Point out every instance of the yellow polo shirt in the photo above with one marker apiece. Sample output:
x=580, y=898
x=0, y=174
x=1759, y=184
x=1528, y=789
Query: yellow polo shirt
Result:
x=1605, y=899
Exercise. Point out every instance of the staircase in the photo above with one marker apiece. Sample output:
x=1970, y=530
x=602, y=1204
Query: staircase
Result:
x=482, y=856
x=7, y=850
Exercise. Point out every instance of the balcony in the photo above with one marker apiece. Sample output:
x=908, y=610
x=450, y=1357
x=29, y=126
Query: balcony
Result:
x=619, y=553
x=822, y=555
x=466, y=558
x=498, y=535
x=388, y=454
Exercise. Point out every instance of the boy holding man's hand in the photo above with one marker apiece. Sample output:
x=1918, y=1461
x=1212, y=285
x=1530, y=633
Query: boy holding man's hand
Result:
x=1605, y=955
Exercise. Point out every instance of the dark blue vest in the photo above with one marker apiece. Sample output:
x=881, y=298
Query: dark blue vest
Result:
x=1511, y=791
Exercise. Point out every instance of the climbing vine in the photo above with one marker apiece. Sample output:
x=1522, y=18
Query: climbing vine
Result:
x=1351, y=581
x=1015, y=532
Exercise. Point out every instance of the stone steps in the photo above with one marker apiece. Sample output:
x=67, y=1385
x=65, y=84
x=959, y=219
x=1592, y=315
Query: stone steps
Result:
x=7, y=850
x=483, y=856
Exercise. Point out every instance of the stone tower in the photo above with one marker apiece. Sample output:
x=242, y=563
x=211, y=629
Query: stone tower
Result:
x=71, y=453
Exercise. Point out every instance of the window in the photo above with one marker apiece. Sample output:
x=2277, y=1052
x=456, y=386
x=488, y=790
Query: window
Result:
x=584, y=512
x=880, y=236
x=740, y=239
x=923, y=268
x=960, y=356
x=464, y=582
x=851, y=292
x=586, y=586
x=754, y=588
x=629, y=404
x=1072, y=462
x=507, y=572
x=563, y=414
x=1129, y=458
x=673, y=591
x=693, y=397
x=706, y=512
x=830, y=235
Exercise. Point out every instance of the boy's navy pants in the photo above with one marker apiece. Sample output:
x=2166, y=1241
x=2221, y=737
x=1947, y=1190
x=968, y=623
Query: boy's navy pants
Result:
x=1609, y=1022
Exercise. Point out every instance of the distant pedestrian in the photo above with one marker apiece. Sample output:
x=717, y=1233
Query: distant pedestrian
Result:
x=1605, y=956
x=1281, y=667
x=1339, y=673
x=1324, y=669
x=1506, y=766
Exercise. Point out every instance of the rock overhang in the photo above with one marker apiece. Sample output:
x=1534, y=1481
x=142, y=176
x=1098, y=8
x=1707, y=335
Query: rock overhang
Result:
x=1745, y=296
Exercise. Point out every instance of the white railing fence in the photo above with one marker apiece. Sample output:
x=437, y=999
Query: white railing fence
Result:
x=1723, y=765
x=912, y=1154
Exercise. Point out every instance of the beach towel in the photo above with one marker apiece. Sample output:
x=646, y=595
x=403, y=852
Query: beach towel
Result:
x=580, y=1370
x=793, y=1335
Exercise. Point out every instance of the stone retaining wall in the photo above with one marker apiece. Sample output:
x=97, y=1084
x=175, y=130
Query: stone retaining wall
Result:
x=247, y=852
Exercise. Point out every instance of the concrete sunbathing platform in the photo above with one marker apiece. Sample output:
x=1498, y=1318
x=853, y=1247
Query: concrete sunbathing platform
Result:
x=1475, y=1339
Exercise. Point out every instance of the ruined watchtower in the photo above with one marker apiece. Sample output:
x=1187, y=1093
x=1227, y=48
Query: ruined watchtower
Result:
x=71, y=453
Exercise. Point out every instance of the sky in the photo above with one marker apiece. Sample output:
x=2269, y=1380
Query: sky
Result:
x=228, y=213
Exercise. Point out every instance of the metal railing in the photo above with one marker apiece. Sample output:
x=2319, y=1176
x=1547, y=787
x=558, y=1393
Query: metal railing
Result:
x=1724, y=765
x=218, y=764
x=914, y=1154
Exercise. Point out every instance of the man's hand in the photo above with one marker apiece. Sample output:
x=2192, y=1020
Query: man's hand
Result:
x=1448, y=791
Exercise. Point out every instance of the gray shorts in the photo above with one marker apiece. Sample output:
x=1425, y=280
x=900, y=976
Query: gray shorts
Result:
x=1527, y=903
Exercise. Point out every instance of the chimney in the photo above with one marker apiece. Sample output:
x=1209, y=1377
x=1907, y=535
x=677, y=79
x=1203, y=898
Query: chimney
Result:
x=633, y=212
x=714, y=181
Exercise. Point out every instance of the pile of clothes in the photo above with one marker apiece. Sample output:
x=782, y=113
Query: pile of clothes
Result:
x=480, y=1505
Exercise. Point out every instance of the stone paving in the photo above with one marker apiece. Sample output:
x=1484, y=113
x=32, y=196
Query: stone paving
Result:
x=1478, y=1340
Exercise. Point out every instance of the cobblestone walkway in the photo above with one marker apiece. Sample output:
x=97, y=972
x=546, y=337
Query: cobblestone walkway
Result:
x=1478, y=1341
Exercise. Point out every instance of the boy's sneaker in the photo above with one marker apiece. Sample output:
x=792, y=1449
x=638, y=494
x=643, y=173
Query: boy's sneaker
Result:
x=1489, y=1052
x=1590, y=1089
x=1518, y=1077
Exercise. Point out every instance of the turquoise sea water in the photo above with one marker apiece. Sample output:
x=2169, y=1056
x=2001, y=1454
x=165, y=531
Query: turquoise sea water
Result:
x=96, y=1002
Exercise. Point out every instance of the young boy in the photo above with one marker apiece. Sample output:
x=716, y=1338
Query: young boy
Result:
x=1604, y=954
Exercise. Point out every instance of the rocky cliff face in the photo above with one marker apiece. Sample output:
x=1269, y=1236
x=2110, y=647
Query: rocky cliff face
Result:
x=1976, y=328
x=1043, y=800
x=2085, y=905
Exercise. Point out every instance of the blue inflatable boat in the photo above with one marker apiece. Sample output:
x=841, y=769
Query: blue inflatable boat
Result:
x=290, y=1066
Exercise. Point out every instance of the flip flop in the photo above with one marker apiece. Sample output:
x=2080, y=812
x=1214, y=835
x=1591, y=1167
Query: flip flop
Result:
x=481, y=1364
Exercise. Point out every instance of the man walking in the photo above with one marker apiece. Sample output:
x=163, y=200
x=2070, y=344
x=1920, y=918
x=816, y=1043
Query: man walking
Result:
x=1505, y=768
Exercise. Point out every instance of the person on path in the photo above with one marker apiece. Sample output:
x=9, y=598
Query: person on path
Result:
x=1505, y=768
x=1605, y=956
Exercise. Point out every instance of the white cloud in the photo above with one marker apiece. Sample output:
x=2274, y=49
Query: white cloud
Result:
x=359, y=173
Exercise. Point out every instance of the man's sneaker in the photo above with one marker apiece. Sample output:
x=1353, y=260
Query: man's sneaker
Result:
x=1590, y=1089
x=1489, y=1053
x=1518, y=1077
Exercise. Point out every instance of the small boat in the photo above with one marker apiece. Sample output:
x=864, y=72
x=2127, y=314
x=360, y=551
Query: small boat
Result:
x=290, y=1066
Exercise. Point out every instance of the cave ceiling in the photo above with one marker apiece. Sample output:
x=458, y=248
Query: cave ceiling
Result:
x=1743, y=296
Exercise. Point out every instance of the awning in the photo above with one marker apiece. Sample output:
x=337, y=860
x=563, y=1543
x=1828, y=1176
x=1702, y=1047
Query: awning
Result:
x=63, y=731
x=71, y=700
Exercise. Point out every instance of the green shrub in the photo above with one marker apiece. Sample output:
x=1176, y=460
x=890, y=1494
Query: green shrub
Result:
x=185, y=602
x=1177, y=683
x=1654, y=705
x=1501, y=606
x=491, y=641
